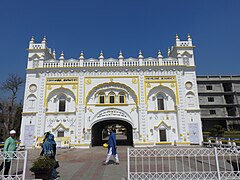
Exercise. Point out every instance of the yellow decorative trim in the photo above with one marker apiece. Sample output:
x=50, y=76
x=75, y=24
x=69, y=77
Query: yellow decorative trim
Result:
x=74, y=87
x=49, y=87
x=111, y=79
x=112, y=104
x=163, y=143
x=134, y=80
x=25, y=113
x=90, y=110
x=160, y=80
x=182, y=143
x=172, y=85
x=79, y=144
x=162, y=122
x=88, y=81
x=132, y=109
x=108, y=83
x=61, y=81
x=53, y=129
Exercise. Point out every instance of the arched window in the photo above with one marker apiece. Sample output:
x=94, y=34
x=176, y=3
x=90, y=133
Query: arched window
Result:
x=62, y=103
x=160, y=102
x=101, y=98
x=121, y=98
x=111, y=98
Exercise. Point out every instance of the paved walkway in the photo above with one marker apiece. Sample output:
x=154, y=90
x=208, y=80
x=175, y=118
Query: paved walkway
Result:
x=85, y=164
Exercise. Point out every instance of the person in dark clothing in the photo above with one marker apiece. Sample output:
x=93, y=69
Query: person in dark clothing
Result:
x=49, y=150
x=44, y=139
x=112, y=147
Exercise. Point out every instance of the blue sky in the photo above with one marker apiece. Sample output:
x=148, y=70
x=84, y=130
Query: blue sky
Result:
x=127, y=25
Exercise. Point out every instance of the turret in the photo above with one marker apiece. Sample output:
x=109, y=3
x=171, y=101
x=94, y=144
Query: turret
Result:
x=38, y=52
x=183, y=51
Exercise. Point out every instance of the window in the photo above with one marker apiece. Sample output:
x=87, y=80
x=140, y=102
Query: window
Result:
x=212, y=111
x=111, y=98
x=163, y=135
x=101, y=99
x=209, y=87
x=121, y=98
x=60, y=134
x=160, y=102
x=62, y=103
x=210, y=99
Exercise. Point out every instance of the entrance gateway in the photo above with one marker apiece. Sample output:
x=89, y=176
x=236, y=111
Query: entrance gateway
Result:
x=124, y=132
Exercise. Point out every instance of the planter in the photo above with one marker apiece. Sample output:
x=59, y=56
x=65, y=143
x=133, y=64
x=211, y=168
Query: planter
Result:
x=42, y=173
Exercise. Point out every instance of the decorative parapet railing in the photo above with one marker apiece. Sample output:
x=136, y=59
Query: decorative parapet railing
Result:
x=105, y=63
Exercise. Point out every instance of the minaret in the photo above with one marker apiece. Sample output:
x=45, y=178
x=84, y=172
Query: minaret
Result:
x=120, y=58
x=140, y=58
x=159, y=57
x=101, y=58
x=81, y=58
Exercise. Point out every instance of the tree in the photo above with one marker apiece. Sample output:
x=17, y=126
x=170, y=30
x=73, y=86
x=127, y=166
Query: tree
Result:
x=217, y=131
x=9, y=108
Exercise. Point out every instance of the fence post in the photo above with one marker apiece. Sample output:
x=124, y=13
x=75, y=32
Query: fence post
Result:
x=217, y=163
x=25, y=164
x=128, y=164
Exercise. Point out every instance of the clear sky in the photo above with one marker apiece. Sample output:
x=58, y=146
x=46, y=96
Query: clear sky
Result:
x=127, y=25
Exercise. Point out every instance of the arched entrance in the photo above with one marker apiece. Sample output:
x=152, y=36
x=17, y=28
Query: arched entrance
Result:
x=124, y=132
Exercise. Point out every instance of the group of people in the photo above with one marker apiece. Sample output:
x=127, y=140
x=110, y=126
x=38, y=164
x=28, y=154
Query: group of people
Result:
x=49, y=149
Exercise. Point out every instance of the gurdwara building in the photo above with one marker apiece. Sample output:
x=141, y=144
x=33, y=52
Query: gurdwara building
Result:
x=150, y=101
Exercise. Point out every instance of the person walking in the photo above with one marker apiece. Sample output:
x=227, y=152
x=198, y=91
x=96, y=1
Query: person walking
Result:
x=112, y=147
x=9, y=146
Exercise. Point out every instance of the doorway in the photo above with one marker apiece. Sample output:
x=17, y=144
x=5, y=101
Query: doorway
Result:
x=124, y=133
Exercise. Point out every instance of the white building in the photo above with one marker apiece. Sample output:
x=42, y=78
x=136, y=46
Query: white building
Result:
x=155, y=99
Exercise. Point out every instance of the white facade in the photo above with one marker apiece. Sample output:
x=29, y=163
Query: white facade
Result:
x=156, y=97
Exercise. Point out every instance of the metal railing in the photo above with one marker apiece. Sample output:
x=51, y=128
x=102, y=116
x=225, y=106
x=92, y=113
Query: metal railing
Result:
x=183, y=163
x=18, y=162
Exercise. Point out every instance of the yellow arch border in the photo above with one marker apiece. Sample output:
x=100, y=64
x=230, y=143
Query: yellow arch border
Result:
x=46, y=99
x=110, y=83
x=176, y=96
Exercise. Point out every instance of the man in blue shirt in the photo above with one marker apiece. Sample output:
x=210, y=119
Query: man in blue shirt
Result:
x=112, y=147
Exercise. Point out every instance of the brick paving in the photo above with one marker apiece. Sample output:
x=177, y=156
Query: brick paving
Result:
x=85, y=164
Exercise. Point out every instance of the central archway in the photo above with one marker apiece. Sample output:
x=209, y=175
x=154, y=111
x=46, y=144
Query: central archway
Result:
x=124, y=132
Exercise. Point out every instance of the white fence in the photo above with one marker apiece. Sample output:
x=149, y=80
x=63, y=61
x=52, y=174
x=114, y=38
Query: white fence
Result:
x=183, y=163
x=18, y=162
